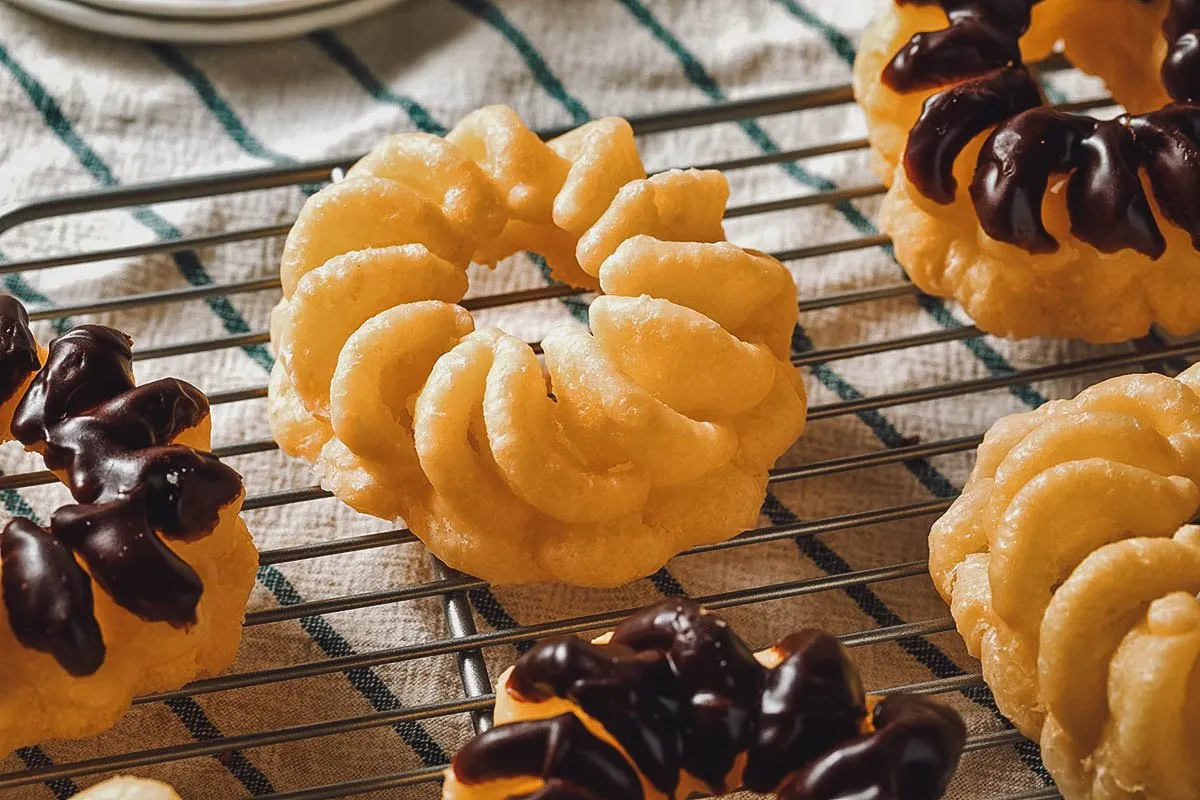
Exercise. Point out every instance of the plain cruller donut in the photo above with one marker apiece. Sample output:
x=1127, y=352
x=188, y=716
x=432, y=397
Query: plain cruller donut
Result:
x=646, y=435
x=1041, y=222
x=1072, y=571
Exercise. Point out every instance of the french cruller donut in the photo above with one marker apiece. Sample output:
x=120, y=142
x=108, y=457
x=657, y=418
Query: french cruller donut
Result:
x=140, y=585
x=644, y=436
x=1072, y=570
x=1041, y=222
x=672, y=703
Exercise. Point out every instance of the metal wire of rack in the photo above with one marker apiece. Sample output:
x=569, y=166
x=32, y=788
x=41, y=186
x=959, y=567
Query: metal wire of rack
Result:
x=465, y=642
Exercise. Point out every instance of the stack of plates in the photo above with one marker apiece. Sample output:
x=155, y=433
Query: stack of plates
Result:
x=204, y=21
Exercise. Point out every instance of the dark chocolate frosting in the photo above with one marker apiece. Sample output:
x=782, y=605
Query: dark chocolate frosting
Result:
x=903, y=759
x=977, y=58
x=1106, y=201
x=983, y=35
x=559, y=749
x=110, y=441
x=676, y=687
x=49, y=598
x=951, y=119
x=18, y=349
x=813, y=701
x=1181, y=68
x=679, y=691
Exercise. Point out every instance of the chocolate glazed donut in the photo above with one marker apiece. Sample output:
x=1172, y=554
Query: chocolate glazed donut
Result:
x=979, y=52
x=110, y=442
x=679, y=691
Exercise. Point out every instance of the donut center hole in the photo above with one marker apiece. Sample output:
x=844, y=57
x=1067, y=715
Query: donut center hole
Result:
x=520, y=298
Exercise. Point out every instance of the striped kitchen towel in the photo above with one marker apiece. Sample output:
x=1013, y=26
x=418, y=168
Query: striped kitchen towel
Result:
x=80, y=112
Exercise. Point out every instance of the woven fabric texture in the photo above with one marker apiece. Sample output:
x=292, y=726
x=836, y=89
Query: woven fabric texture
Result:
x=80, y=112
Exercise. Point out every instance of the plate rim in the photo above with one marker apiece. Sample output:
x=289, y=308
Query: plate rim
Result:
x=207, y=10
x=203, y=31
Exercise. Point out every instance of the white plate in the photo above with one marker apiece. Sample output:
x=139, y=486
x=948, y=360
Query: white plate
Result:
x=206, y=10
x=205, y=31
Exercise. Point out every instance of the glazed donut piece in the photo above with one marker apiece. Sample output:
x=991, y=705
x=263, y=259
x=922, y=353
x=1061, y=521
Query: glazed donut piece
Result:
x=651, y=432
x=1037, y=221
x=122, y=788
x=1073, y=575
x=141, y=585
x=673, y=702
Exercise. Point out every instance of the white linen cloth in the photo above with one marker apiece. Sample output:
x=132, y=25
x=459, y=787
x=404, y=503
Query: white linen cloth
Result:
x=80, y=112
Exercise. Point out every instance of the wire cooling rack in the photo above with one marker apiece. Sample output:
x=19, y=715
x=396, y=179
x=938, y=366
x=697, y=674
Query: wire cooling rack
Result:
x=466, y=642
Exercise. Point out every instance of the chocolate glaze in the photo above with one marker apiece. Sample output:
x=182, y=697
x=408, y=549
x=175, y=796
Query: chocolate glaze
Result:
x=49, y=597
x=812, y=702
x=978, y=58
x=110, y=442
x=983, y=35
x=1169, y=141
x=129, y=562
x=713, y=681
x=675, y=687
x=18, y=349
x=905, y=758
x=559, y=749
x=617, y=687
x=1106, y=202
x=679, y=691
x=1181, y=68
x=951, y=119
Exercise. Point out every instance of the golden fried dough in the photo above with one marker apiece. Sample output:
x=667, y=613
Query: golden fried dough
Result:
x=1073, y=575
x=616, y=449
